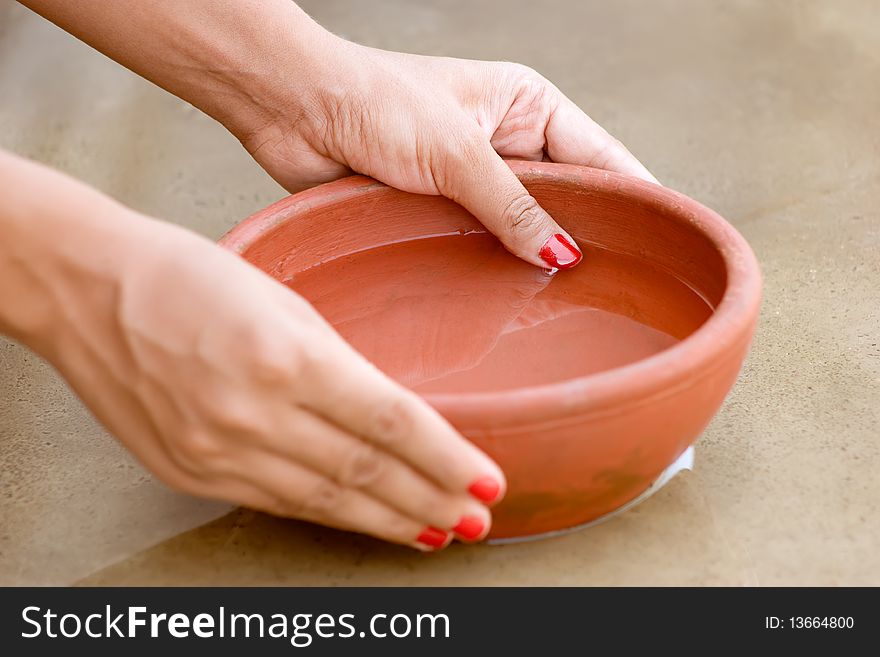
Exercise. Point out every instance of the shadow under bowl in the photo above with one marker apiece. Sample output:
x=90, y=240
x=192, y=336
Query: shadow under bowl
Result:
x=583, y=386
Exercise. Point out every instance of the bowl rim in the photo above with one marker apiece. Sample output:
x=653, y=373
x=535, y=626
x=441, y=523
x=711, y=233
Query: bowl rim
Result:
x=722, y=337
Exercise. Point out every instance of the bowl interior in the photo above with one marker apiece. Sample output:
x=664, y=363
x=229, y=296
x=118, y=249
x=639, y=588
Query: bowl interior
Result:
x=417, y=285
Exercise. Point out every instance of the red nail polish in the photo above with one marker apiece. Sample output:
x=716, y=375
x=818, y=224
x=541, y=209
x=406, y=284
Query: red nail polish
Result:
x=560, y=253
x=469, y=527
x=432, y=537
x=485, y=489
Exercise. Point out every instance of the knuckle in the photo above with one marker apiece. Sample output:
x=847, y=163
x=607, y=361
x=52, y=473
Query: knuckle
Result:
x=275, y=366
x=233, y=415
x=527, y=83
x=393, y=421
x=522, y=215
x=312, y=350
x=524, y=79
x=322, y=501
x=196, y=451
x=276, y=356
x=363, y=467
x=273, y=371
x=523, y=71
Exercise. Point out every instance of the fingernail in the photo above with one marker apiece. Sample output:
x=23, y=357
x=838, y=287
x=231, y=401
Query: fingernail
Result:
x=469, y=528
x=485, y=489
x=432, y=537
x=560, y=252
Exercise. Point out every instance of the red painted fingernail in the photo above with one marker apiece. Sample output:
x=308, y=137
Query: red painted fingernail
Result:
x=432, y=537
x=559, y=252
x=469, y=527
x=485, y=489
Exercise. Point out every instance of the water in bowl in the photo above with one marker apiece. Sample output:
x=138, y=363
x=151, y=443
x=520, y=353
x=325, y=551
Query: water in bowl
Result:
x=458, y=313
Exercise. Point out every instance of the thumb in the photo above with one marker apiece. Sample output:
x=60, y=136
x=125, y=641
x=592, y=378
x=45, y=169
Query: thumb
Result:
x=491, y=192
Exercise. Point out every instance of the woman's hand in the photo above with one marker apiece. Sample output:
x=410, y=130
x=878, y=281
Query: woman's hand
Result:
x=312, y=107
x=434, y=125
x=222, y=381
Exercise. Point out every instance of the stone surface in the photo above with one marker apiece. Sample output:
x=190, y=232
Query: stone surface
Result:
x=764, y=111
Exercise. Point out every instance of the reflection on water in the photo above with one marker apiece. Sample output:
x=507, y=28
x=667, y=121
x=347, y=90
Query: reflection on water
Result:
x=458, y=313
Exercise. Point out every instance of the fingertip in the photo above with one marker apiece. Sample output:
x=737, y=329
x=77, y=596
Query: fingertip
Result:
x=548, y=246
x=489, y=489
x=560, y=251
x=488, y=484
x=471, y=528
x=499, y=200
x=432, y=539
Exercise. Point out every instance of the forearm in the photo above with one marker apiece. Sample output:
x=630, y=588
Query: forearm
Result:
x=236, y=60
x=60, y=250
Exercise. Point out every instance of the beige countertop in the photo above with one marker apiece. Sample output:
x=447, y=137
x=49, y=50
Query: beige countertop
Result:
x=765, y=111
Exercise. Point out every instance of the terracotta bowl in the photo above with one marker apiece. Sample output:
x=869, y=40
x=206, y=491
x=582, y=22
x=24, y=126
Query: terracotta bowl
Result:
x=575, y=449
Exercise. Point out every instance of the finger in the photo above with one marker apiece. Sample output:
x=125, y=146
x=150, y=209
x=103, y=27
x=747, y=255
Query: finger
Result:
x=574, y=138
x=477, y=178
x=298, y=492
x=350, y=392
x=354, y=463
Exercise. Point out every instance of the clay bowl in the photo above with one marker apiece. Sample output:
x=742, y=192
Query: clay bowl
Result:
x=621, y=404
